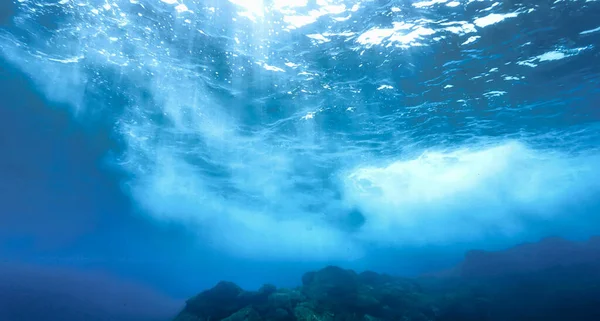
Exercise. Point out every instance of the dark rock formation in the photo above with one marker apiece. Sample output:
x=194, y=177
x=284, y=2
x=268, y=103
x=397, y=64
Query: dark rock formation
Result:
x=328, y=294
x=554, y=279
x=529, y=257
x=551, y=280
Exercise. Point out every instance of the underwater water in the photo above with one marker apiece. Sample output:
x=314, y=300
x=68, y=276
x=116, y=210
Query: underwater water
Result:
x=153, y=148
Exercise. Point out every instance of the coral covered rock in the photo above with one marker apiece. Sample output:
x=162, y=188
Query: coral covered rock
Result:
x=538, y=286
x=339, y=290
x=285, y=299
x=246, y=314
x=306, y=312
x=215, y=304
x=332, y=293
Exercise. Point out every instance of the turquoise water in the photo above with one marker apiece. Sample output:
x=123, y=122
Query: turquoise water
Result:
x=250, y=140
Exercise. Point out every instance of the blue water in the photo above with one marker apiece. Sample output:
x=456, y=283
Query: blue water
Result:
x=178, y=143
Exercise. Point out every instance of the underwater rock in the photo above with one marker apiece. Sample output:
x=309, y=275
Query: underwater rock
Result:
x=328, y=282
x=279, y=305
x=550, y=252
x=279, y=314
x=285, y=299
x=246, y=314
x=336, y=289
x=529, y=257
x=227, y=301
x=331, y=293
x=544, y=289
x=306, y=312
x=374, y=279
x=267, y=289
x=217, y=303
x=343, y=292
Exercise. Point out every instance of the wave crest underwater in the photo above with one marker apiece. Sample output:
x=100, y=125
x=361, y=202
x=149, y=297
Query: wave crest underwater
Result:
x=313, y=130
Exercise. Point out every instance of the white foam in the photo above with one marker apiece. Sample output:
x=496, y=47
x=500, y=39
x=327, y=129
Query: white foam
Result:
x=454, y=195
x=256, y=195
x=181, y=8
x=280, y=4
x=494, y=93
x=586, y=32
x=319, y=38
x=254, y=8
x=552, y=55
x=471, y=40
x=424, y=4
x=273, y=68
x=301, y=21
x=493, y=18
x=308, y=116
x=295, y=21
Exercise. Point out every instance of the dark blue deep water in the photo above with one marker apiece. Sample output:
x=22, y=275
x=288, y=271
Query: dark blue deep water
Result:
x=171, y=144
